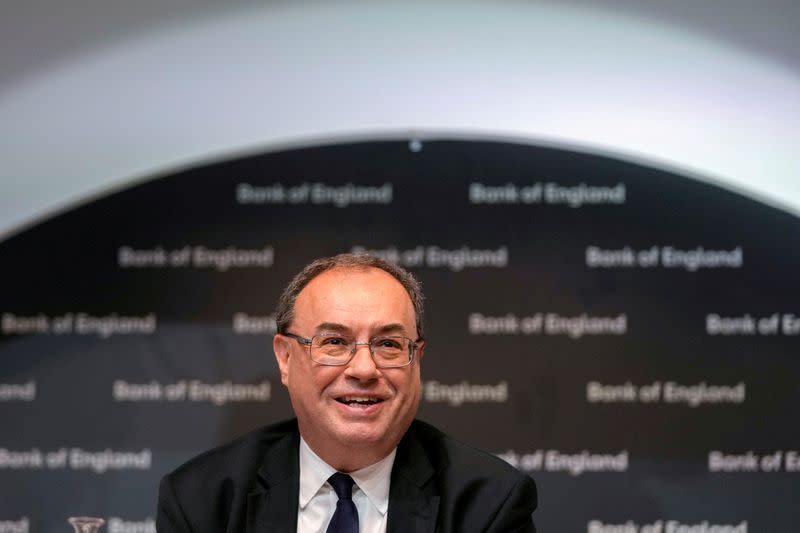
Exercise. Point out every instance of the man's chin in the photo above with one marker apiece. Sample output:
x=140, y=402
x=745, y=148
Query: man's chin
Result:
x=364, y=435
x=354, y=433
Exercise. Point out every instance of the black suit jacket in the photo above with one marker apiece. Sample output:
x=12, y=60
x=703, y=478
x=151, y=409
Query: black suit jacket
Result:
x=438, y=485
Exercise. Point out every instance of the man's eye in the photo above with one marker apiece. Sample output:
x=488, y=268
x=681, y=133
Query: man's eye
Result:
x=332, y=341
x=387, y=343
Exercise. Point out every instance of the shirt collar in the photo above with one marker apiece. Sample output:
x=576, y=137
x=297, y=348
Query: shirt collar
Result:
x=373, y=480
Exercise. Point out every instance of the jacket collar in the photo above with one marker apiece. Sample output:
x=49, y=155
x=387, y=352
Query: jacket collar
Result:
x=272, y=505
x=413, y=502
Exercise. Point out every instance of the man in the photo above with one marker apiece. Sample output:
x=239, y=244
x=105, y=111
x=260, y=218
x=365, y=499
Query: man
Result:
x=349, y=347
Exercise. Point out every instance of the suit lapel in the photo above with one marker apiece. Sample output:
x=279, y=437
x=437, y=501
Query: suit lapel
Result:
x=413, y=503
x=272, y=505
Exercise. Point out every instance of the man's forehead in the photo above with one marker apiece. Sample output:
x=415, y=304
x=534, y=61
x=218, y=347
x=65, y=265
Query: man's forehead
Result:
x=349, y=285
x=367, y=277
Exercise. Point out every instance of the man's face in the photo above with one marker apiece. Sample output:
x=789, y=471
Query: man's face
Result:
x=360, y=304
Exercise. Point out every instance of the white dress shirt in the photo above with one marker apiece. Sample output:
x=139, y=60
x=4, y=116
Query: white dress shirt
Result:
x=318, y=500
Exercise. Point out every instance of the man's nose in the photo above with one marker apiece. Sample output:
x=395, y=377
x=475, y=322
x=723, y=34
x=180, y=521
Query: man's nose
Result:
x=362, y=365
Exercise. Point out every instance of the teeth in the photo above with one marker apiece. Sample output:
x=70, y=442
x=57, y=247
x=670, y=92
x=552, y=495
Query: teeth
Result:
x=358, y=399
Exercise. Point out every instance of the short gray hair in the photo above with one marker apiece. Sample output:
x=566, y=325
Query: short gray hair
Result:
x=284, y=314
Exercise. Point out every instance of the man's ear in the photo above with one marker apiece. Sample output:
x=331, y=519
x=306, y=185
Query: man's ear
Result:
x=281, y=345
x=420, y=352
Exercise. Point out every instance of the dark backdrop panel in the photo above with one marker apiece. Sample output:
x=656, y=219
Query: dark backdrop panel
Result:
x=626, y=335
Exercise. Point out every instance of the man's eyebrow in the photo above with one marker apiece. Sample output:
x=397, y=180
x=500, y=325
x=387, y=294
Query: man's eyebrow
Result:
x=333, y=327
x=391, y=328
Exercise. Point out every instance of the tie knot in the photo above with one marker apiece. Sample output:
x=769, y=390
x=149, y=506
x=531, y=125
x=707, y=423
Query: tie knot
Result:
x=342, y=484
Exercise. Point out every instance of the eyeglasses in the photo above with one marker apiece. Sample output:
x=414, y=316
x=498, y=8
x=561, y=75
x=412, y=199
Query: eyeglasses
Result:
x=337, y=350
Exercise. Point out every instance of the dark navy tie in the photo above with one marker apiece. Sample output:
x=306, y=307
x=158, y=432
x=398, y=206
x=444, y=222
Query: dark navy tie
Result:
x=345, y=519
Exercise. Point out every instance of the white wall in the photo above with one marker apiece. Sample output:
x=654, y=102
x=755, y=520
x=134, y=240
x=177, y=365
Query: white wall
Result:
x=160, y=93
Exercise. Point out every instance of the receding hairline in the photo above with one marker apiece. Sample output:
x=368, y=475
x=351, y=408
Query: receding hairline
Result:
x=344, y=270
x=340, y=265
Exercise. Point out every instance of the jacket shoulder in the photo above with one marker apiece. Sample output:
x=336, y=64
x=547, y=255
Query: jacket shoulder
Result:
x=209, y=492
x=448, y=453
x=236, y=459
x=478, y=491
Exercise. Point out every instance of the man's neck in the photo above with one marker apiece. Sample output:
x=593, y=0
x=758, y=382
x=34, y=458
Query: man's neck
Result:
x=350, y=459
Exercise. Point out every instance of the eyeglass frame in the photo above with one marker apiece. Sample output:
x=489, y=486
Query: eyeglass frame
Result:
x=412, y=348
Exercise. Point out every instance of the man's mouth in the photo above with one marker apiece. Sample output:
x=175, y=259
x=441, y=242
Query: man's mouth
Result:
x=359, y=400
